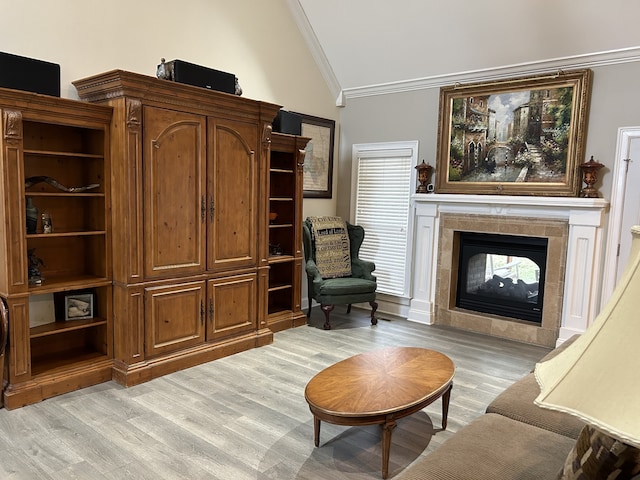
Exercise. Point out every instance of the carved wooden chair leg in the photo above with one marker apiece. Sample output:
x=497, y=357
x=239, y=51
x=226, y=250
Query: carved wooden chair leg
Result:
x=327, y=310
x=348, y=309
x=374, y=307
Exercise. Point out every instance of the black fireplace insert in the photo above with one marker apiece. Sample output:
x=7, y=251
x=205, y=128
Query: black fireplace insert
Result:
x=502, y=275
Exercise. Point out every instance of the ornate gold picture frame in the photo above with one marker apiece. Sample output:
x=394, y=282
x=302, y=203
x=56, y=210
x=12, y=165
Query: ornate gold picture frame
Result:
x=522, y=136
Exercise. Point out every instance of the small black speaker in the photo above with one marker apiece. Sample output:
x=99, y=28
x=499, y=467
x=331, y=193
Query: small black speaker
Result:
x=288, y=122
x=29, y=74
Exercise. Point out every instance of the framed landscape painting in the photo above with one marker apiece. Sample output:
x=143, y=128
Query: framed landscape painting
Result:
x=523, y=136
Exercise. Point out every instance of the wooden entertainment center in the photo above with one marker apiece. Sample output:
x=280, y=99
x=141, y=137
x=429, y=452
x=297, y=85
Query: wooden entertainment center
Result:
x=176, y=248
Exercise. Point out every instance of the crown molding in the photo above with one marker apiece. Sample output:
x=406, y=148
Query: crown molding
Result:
x=590, y=60
x=316, y=51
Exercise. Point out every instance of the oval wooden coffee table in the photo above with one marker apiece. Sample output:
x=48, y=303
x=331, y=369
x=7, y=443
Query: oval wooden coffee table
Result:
x=379, y=387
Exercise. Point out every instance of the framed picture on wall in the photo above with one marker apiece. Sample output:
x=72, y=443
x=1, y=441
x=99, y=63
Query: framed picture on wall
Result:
x=520, y=136
x=318, y=161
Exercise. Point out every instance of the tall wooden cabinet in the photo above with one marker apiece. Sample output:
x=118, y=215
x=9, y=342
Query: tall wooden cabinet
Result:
x=50, y=149
x=285, y=236
x=189, y=222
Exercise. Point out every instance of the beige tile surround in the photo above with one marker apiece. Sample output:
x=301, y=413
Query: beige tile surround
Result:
x=556, y=231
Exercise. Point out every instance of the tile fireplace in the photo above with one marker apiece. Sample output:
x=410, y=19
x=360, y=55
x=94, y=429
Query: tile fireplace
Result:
x=571, y=230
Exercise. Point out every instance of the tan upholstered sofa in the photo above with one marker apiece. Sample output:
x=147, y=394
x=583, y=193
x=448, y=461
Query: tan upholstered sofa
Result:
x=513, y=440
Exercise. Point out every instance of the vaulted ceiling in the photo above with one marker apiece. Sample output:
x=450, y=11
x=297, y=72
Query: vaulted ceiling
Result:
x=375, y=42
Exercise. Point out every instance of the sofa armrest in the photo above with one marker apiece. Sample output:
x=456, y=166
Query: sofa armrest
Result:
x=516, y=402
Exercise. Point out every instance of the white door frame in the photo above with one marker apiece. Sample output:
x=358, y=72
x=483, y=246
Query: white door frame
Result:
x=625, y=136
x=389, y=304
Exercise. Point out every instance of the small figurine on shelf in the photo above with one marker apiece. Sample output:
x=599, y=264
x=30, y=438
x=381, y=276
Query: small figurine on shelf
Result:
x=47, y=225
x=275, y=250
x=35, y=278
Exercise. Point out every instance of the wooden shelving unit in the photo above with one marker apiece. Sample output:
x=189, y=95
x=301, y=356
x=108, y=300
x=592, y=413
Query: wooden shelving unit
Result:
x=285, y=239
x=48, y=138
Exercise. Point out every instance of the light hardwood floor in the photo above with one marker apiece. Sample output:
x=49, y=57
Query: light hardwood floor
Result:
x=245, y=417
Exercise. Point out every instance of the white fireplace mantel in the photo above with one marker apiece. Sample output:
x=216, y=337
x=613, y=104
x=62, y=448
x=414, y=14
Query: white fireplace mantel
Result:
x=585, y=218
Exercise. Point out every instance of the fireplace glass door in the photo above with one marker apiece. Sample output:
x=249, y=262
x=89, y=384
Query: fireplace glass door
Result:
x=502, y=275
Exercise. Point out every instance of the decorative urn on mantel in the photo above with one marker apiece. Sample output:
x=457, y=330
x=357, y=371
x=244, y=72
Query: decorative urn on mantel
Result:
x=424, y=177
x=590, y=177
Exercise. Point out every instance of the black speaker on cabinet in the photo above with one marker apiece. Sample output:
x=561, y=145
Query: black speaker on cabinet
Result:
x=199, y=76
x=29, y=74
x=288, y=122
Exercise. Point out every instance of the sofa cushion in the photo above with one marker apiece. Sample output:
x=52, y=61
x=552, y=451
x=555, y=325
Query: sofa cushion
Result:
x=494, y=447
x=516, y=402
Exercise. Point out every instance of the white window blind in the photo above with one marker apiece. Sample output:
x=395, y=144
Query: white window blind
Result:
x=383, y=177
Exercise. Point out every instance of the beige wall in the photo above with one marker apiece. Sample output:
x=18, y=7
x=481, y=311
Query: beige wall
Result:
x=414, y=116
x=258, y=41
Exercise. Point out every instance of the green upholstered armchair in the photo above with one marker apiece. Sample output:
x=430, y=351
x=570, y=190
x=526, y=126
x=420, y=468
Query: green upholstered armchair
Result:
x=360, y=287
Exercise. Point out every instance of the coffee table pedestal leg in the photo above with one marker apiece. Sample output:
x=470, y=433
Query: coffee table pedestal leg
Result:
x=316, y=431
x=445, y=406
x=387, y=428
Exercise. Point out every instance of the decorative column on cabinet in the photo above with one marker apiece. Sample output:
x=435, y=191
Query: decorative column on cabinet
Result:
x=263, y=254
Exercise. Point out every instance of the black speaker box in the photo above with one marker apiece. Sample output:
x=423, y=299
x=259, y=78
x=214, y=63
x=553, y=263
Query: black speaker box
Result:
x=23, y=73
x=199, y=76
x=288, y=122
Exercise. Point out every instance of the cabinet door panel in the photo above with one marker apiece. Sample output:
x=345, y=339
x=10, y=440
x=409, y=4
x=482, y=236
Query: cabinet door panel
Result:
x=174, y=317
x=232, y=306
x=233, y=187
x=174, y=192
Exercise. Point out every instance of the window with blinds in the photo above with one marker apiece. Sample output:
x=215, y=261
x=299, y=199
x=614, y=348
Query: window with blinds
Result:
x=383, y=181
